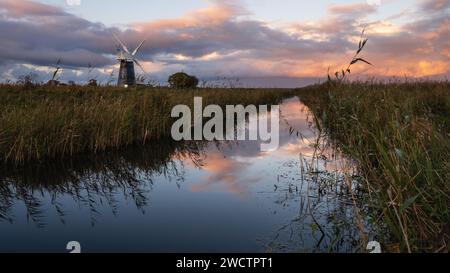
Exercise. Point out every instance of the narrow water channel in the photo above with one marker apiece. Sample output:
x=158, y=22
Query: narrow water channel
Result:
x=189, y=197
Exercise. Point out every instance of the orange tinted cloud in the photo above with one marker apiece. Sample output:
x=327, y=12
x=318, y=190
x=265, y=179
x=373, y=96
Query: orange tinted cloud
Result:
x=22, y=8
x=224, y=172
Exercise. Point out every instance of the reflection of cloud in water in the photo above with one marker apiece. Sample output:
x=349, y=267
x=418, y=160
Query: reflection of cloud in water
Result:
x=228, y=173
x=229, y=165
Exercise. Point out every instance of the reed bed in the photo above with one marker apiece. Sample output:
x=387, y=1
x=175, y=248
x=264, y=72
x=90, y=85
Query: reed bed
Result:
x=398, y=133
x=45, y=122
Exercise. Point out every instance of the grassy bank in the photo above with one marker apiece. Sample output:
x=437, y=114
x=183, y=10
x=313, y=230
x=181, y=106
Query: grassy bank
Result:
x=55, y=122
x=399, y=136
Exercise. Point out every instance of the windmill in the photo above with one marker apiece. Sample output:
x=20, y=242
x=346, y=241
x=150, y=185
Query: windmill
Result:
x=127, y=60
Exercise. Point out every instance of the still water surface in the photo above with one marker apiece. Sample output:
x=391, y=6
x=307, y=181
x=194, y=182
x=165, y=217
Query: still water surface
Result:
x=188, y=197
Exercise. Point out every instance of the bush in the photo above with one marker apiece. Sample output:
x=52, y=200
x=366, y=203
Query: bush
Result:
x=92, y=82
x=183, y=80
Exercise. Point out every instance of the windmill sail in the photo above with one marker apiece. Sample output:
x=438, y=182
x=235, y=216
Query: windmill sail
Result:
x=140, y=66
x=121, y=44
x=137, y=48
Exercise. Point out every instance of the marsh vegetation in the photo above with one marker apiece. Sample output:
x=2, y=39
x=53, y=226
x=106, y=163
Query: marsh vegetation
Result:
x=396, y=135
x=57, y=122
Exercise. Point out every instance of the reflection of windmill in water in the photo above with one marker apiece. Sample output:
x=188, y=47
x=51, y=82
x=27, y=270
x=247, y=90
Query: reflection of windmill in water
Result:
x=127, y=60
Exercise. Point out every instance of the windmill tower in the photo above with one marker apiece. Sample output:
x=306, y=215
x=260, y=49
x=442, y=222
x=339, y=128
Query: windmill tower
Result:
x=127, y=60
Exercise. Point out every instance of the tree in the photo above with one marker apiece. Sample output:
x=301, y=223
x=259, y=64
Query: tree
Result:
x=183, y=80
x=92, y=82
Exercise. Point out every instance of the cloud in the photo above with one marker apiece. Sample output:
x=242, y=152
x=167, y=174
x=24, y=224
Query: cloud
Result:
x=352, y=9
x=14, y=8
x=224, y=40
x=73, y=2
x=435, y=5
x=40, y=34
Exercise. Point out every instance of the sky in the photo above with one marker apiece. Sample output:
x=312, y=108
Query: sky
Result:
x=247, y=39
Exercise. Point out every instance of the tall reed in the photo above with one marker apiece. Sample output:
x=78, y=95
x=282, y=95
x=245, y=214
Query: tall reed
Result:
x=55, y=122
x=399, y=135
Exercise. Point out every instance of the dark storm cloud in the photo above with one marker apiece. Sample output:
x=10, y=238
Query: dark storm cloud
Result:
x=40, y=34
